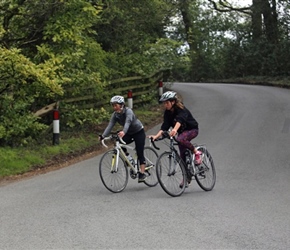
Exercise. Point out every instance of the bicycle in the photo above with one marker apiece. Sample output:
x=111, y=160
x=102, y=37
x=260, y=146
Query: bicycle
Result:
x=114, y=165
x=173, y=173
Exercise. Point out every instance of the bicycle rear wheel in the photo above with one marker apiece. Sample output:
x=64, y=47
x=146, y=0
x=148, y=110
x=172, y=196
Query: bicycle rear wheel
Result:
x=171, y=174
x=114, y=179
x=206, y=175
x=150, y=169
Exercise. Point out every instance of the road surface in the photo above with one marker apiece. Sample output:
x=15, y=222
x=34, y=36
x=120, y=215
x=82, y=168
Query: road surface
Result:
x=247, y=131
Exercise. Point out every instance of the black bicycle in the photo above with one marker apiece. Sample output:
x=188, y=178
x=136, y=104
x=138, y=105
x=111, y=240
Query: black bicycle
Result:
x=174, y=174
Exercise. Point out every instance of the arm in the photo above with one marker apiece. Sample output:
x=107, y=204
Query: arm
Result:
x=173, y=132
x=164, y=127
x=154, y=137
x=111, y=124
x=181, y=119
x=129, y=118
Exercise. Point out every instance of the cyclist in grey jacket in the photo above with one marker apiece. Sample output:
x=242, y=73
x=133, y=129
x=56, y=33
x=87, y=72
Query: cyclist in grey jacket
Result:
x=132, y=130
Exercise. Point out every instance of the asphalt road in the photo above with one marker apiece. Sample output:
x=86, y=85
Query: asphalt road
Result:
x=247, y=131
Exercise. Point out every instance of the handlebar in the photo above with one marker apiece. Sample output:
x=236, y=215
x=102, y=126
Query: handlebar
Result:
x=113, y=136
x=165, y=135
x=153, y=143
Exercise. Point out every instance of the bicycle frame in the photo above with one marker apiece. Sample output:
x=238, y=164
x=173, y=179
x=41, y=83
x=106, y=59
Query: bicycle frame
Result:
x=170, y=165
x=173, y=157
x=174, y=152
x=118, y=147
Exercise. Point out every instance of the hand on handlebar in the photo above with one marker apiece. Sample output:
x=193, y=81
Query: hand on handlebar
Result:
x=112, y=136
x=152, y=137
x=159, y=136
x=121, y=134
x=101, y=137
x=172, y=133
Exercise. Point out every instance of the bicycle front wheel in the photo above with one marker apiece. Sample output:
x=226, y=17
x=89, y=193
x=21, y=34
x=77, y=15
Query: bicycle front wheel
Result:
x=171, y=174
x=114, y=178
x=150, y=168
x=206, y=175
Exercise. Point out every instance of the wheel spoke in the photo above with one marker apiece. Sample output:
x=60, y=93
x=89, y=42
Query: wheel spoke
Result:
x=150, y=169
x=171, y=174
x=114, y=178
x=206, y=175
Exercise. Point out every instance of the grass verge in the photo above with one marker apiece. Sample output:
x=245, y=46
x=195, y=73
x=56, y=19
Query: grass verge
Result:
x=20, y=162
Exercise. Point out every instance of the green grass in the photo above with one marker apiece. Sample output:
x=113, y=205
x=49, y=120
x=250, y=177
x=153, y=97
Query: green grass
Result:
x=15, y=161
x=18, y=161
x=21, y=160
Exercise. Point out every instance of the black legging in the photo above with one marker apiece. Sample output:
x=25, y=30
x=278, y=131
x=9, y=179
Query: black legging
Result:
x=139, y=139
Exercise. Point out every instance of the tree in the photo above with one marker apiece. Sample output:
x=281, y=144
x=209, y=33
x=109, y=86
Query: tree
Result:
x=47, y=53
x=265, y=43
x=127, y=31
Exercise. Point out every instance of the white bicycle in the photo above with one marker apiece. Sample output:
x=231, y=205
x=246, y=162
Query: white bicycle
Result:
x=115, y=165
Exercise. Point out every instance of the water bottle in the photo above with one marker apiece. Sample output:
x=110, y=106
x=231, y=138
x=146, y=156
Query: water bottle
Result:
x=188, y=162
x=187, y=158
x=130, y=158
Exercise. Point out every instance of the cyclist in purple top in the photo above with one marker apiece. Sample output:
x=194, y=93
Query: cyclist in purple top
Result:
x=132, y=130
x=177, y=116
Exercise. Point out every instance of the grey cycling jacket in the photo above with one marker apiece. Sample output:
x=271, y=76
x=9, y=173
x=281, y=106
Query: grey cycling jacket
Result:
x=127, y=119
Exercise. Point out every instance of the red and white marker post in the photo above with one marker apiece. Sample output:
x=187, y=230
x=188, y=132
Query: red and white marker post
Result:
x=55, y=138
x=160, y=88
x=130, y=99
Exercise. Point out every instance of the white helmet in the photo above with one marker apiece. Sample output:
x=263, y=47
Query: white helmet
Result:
x=117, y=99
x=169, y=95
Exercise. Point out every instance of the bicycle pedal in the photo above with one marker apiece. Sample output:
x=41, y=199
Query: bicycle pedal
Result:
x=133, y=176
x=149, y=167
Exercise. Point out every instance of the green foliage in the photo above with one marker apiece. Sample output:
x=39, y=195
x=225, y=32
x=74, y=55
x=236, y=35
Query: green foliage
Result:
x=23, y=159
x=22, y=82
x=59, y=57
x=17, y=161
x=84, y=117
x=127, y=31
x=69, y=52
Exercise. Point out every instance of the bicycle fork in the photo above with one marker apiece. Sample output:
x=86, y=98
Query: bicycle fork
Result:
x=115, y=162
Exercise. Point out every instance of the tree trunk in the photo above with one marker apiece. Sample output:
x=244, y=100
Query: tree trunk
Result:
x=257, y=20
x=262, y=8
x=270, y=21
x=187, y=20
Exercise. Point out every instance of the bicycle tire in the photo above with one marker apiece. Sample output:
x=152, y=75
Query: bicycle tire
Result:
x=151, y=158
x=171, y=182
x=114, y=181
x=206, y=174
